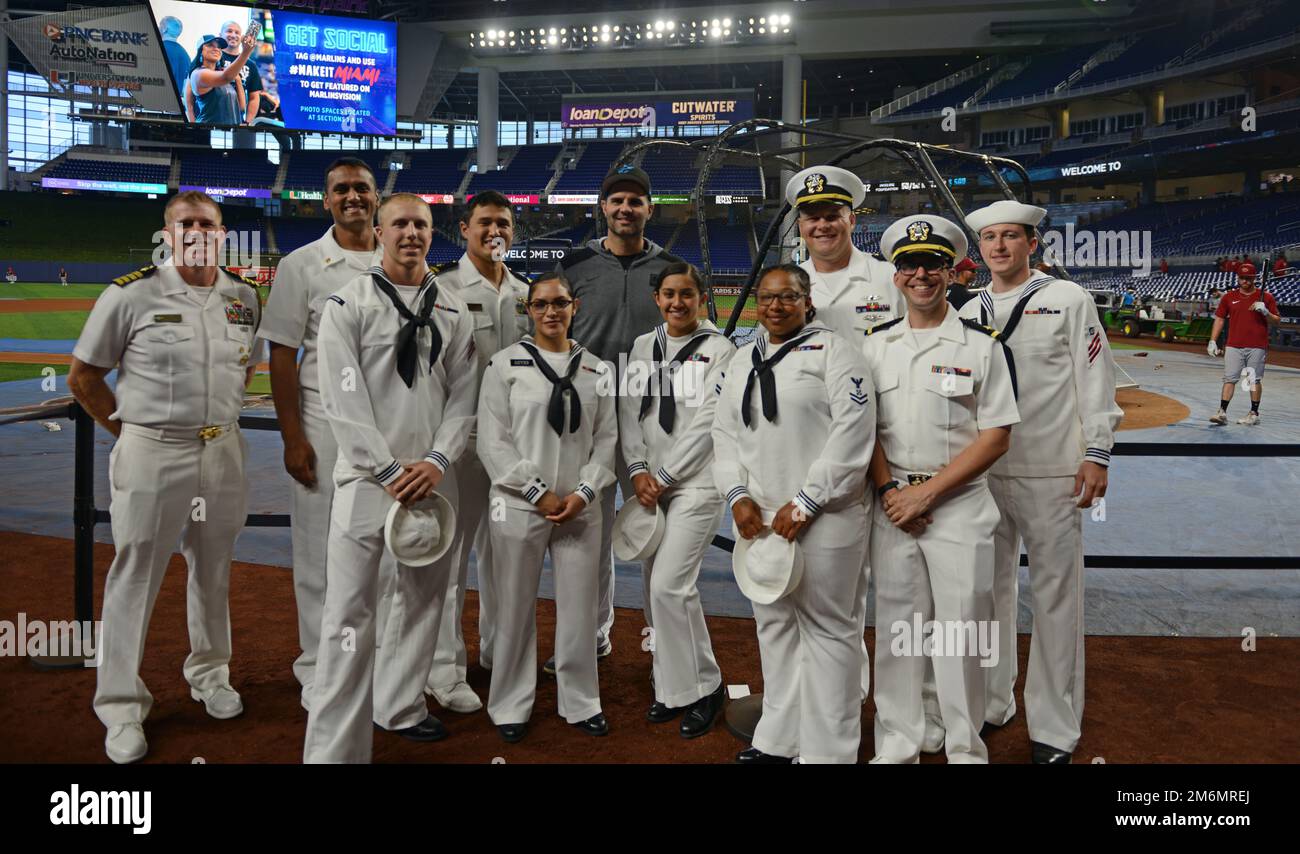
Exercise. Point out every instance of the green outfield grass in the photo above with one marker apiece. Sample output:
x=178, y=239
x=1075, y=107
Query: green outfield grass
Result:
x=10, y=371
x=48, y=290
x=43, y=325
x=261, y=384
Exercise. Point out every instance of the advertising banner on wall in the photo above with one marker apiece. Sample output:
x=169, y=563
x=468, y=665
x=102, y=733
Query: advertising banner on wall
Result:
x=662, y=109
x=113, y=47
x=229, y=192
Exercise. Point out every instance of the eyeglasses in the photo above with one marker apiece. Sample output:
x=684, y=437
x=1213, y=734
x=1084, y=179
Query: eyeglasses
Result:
x=539, y=306
x=787, y=298
x=908, y=266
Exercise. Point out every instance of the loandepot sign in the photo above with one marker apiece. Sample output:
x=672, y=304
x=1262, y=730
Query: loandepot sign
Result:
x=114, y=47
x=665, y=109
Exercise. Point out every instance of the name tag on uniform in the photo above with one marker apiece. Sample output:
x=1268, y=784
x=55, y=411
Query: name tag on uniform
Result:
x=809, y=347
x=475, y=306
x=521, y=363
x=872, y=306
x=945, y=369
x=239, y=314
x=166, y=318
x=1043, y=311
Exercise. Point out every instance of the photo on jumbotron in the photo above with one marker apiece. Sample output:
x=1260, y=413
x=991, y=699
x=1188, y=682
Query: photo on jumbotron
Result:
x=653, y=383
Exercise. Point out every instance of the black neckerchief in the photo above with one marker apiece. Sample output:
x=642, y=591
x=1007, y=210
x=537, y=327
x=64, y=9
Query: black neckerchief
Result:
x=559, y=385
x=986, y=307
x=662, y=384
x=762, y=369
x=408, y=335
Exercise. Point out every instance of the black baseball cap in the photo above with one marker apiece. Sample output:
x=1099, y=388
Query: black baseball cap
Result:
x=626, y=174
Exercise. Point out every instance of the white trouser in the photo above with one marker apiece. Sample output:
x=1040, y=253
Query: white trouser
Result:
x=1042, y=511
x=310, y=509
x=449, y=659
x=156, y=485
x=810, y=644
x=860, y=614
x=519, y=545
x=354, y=681
x=605, y=573
x=684, y=667
x=945, y=575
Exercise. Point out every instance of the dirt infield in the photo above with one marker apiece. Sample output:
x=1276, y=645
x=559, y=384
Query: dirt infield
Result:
x=1149, y=699
x=1147, y=409
x=1280, y=358
x=33, y=306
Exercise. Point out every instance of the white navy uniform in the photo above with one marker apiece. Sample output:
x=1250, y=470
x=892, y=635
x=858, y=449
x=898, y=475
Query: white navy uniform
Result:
x=525, y=457
x=500, y=317
x=814, y=453
x=1066, y=378
x=936, y=389
x=684, y=667
x=380, y=425
x=852, y=300
x=304, y=280
x=176, y=471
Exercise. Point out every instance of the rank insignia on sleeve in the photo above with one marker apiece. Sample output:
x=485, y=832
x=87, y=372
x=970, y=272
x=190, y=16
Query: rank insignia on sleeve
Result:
x=858, y=396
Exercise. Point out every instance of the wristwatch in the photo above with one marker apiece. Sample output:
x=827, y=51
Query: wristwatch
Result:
x=880, y=492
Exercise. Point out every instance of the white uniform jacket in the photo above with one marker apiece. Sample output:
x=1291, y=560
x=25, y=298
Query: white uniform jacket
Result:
x=850, y=306
x=936, y=391
x=815, y=453
x=681, y=458
x=379, y=423
x=1065, y=374
x=303, y=282
x=500, y=315
x=520, y=450
x=180, y=364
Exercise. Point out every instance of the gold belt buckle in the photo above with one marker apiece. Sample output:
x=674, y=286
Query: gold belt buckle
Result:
x=918, y=479
x=209, y=433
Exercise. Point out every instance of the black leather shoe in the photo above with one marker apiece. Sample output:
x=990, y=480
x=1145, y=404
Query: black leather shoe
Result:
x=429, y=729
x=659, y=713
x=513, y=732
x=754, y=756
x=701, y=714
x=989, y=727
x=594, y=725
x=1045, y=754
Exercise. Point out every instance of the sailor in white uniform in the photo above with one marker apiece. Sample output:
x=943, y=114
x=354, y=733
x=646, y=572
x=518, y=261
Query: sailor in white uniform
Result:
x=1056, y=465
x=792, y=438
x=547, y=428
x=304, y=281
x=182, y=338
x=495, y=296
x=666, y=438
x=945, y=409
x=398, y=386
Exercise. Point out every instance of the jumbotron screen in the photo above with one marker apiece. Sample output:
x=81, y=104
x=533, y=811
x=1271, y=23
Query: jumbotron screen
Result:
x=298, y=71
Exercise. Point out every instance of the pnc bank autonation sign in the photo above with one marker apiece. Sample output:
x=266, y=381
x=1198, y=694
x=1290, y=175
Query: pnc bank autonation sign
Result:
x=662, y=109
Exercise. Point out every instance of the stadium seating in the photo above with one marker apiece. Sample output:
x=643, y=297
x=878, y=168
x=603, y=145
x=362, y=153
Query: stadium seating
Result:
x=671, y=169
x=307, y=168
x=728, y=247
x=1042, y=74
x=293, y=232
x=592, y=167
x=952, y=97
x=529, y=171
x=111, y=170
x=660, y=233
x=432, y=171
x=227, y=169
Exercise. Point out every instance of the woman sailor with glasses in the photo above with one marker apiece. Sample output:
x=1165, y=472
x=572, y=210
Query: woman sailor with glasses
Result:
x=546, y=435
x=792, y=438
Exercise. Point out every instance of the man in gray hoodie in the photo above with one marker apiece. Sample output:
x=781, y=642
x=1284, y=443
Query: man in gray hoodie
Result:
x=613, y=277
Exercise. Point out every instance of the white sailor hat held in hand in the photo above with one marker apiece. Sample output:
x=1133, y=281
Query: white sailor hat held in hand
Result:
x=767, y=567
x=638, y=530
x=820, y=184
x=422, y=533
x=1005, y=211
x=932, y=235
